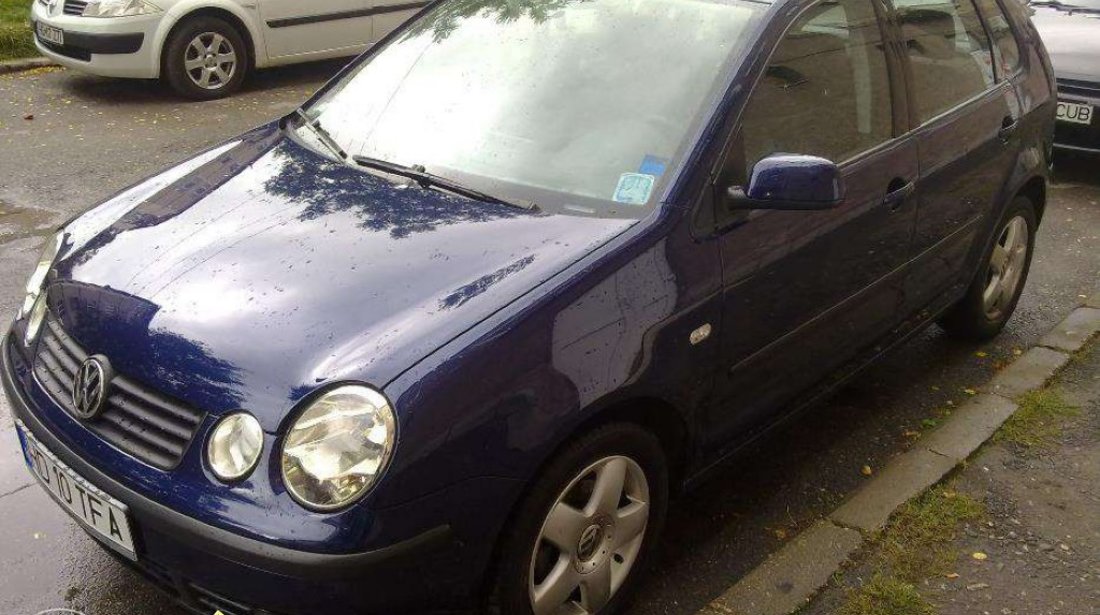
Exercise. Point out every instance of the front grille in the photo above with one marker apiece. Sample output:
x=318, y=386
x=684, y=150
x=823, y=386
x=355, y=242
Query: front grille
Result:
x=1075, y=87
x=75, y=7
x=137, y=420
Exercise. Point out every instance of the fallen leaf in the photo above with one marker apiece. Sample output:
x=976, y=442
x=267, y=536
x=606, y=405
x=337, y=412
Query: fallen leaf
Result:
x=781, y=534
x=28, y=117
x=911, y=434
x=978, y=555
x=1017, y=351
x=867, y=471
x=981, y=355
x=952, y=575
x=970, y=391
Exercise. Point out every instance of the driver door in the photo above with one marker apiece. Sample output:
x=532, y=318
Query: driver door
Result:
x=805, y=291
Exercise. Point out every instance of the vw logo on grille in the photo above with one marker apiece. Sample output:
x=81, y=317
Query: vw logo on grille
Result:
x=90, y=387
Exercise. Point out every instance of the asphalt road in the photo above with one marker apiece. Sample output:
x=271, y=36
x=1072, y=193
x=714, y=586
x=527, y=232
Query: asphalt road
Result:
x=91, y=137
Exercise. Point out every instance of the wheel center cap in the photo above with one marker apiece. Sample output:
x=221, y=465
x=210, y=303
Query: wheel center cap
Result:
x=589, y=542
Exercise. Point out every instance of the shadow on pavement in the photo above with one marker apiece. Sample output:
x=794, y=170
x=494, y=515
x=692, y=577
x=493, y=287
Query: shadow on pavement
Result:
x=144, y=91
x=1076, y=168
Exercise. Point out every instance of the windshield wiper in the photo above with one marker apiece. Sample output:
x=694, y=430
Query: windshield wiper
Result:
x=322, y=135
x=421, y=177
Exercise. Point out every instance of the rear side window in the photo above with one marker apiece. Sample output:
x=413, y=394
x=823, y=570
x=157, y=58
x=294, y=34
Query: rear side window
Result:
x=948, y=51
x=1004, y=43
x=826, y=90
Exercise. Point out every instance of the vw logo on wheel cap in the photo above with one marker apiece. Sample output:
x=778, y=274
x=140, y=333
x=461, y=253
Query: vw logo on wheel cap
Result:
x=90, y=387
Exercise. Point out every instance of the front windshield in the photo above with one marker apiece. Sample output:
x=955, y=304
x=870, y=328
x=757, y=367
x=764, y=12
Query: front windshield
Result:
x=585, y=103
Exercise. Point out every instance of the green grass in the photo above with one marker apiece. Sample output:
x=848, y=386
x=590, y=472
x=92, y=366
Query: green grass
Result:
x=886, y=596
x=918, y=544
x=1038, y=421
x=15, y=30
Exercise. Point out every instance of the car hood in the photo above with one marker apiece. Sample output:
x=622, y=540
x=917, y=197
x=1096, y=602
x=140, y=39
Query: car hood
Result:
x=267, y=271
x=1072, y=40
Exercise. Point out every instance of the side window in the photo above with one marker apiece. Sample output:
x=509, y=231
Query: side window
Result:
x=826, y=90
x=1004, y=42
x=948, y=51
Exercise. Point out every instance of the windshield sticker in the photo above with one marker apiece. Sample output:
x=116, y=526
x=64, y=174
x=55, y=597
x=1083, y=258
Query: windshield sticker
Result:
x=653, y=165
x=634, y=188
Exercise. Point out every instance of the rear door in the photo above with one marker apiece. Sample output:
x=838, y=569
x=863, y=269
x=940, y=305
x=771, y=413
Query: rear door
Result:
x=317, y=28
x=965, y=117
x=805, y=291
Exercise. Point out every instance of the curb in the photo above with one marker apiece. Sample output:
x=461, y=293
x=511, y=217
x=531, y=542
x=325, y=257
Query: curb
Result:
x=791, y=576
x=18, y=66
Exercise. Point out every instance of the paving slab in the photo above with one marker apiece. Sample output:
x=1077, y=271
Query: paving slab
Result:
x=1031, y=371
x=905, y=477
x=790, y=577
x=1094, y=301
x=970, y=426
x=1073, y=332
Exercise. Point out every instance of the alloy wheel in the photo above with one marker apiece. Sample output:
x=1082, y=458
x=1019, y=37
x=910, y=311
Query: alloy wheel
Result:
x=590, y=539
x=1006, y=267
x=210, y=61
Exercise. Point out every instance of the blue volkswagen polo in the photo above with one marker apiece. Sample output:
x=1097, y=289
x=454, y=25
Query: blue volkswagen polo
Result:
x=449, y=336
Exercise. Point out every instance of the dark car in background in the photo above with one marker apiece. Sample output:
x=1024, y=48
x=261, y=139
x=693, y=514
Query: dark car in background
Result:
x=451, y=334
x=1071, y=31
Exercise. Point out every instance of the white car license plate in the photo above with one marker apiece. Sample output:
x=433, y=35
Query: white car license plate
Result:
x=99, y=512
x=1076, y=113
x=51, y=34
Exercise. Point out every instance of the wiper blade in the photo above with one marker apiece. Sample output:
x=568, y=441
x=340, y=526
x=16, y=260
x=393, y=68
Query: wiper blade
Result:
x=322, y=135
x=424, y=179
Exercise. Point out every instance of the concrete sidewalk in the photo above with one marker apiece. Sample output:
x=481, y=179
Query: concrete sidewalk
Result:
x=1033, y=546
x=790, y=577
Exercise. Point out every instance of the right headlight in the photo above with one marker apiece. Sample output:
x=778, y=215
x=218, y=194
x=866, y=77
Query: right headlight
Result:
x=339, y=447
x=37, y=281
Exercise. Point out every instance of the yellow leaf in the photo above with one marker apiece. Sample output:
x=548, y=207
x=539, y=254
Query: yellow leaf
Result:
x=867, y=471
x=978, y=555
x=953, y=575
x=981, y=355
x=970, y=391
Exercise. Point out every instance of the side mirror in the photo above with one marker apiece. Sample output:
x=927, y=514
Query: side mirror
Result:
x=791, y=182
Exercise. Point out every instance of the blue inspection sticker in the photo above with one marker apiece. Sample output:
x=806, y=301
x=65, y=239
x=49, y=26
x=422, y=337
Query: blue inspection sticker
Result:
x=653, y=165
x=634, y=188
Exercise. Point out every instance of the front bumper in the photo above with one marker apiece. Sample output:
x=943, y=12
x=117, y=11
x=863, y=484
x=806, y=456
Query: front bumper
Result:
x=206, y=568
x=108, y=47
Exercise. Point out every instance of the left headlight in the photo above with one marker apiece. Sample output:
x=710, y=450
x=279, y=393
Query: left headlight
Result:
x=234, y=446
x=339, y=447
x=119, y=8
x=34, y=300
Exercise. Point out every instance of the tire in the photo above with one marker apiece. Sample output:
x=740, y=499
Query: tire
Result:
x=205, y=58
x=977, y=318
x=609, y=547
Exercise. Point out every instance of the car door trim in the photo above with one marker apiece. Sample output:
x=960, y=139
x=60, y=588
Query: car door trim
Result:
x=324, y=17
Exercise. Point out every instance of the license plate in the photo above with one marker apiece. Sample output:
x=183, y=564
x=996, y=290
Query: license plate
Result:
x=51, y=34
x=105, y=517
x=1076, y=113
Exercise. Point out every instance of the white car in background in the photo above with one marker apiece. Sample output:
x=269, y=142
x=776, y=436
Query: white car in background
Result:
x=205, y=48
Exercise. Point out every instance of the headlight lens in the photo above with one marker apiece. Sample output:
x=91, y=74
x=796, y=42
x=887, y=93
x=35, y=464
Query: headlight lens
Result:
x=37, y=280
x=34, y=323
x=338, y=447
x=119, y=8
x=235, y=446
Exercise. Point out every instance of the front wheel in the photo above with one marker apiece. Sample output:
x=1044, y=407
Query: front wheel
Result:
x=994, y=293
x=205, y=58
x=586, y=530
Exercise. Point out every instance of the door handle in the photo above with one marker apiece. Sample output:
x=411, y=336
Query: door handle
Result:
x=898, y=193
x=1008, y=128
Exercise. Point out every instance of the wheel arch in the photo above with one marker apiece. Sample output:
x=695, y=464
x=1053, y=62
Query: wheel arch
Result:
x=1035, y=189
x=227, y=12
